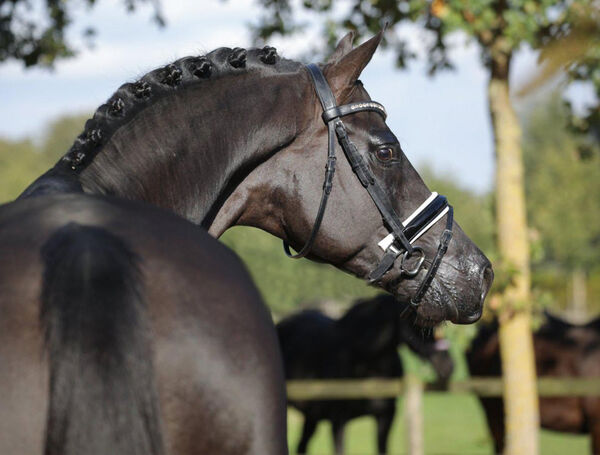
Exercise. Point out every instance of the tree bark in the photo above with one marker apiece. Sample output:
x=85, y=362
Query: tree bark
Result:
x=516, y=344
x=578, y=305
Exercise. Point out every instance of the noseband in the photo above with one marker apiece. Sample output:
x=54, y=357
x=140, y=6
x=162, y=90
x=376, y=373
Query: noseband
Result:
x=403, y=234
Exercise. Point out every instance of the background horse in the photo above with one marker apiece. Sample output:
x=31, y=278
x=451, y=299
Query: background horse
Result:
x=561, y=350
x=362, y=343
x=125, y=327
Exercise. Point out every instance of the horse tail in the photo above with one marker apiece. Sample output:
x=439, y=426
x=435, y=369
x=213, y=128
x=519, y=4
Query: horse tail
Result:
x=102, y=396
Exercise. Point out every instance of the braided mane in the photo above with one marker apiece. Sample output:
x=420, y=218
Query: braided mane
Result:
x=132, y=98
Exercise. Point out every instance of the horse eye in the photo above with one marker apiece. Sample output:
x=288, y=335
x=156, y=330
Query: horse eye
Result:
x=385, y=154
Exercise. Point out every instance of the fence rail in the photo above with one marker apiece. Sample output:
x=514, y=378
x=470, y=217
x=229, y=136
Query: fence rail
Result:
x=412, y=388
x=338, y=389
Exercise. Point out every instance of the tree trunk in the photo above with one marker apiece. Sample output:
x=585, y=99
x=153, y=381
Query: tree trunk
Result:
x=516, y=345
x=578, y=305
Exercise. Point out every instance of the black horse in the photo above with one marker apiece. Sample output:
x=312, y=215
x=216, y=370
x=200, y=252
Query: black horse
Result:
x=362, y=343
x=125, y=327
x=561, y=350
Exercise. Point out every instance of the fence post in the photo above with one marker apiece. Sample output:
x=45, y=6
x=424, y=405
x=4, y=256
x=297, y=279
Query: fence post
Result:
x=413, y=415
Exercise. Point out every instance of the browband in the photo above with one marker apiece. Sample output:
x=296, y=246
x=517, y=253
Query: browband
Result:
x=346, y=109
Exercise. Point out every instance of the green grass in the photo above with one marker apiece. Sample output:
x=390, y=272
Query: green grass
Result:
x=454, y=424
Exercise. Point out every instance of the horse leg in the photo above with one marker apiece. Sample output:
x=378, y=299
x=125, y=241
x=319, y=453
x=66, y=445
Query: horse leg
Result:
x=494, y=413
x=310, y=425
x=337, y=428
x=594, y=426
x=591, y=409
x=384, y=424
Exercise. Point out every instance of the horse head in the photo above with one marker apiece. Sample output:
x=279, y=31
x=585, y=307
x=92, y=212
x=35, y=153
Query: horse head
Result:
x=369, y=213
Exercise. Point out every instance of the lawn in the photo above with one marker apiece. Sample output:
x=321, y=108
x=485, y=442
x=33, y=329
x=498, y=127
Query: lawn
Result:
x=454, y=424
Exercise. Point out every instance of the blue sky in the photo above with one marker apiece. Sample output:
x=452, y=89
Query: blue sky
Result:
x=442, y=121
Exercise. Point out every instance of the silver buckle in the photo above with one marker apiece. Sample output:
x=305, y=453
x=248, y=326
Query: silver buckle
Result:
x=415, y=270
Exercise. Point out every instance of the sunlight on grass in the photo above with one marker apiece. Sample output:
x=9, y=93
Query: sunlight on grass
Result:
x=454, y=424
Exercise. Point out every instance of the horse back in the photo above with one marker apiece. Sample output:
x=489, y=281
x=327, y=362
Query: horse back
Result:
x=211, y=336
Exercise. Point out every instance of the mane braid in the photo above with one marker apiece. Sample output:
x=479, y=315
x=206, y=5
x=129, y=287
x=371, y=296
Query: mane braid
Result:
x=132, y=98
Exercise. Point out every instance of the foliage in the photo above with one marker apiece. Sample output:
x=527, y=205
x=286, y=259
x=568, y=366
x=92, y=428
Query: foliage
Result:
x=581, y=57
x=535, y=22
x=288, y=284
x=562, y=188
x=474, y=212
x=499, y=27
x=23, y=161
x=39, y=37
x=59, y=135
x=20, y=163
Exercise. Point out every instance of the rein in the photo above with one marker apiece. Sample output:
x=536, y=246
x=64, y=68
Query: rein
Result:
x=403, y=234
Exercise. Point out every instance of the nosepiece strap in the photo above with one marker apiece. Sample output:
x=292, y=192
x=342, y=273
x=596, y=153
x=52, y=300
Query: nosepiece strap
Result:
x=425, y=220
x=417, y=224
x=421, y=220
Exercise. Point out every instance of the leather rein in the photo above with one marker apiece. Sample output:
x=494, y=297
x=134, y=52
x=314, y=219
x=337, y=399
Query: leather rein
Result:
x=400, y=240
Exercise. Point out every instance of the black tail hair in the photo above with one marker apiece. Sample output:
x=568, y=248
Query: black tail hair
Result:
x=103, y=398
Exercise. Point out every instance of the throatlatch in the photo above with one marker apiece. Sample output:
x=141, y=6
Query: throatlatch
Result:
x=403, y=234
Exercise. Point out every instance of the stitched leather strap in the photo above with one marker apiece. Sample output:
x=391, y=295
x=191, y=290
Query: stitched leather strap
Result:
x=331, y=115
x=327, y=101
x=423, y=218
x=426, y=217
x=401, y=234
x=347, y=109
x=437, y=260
x=386, y=263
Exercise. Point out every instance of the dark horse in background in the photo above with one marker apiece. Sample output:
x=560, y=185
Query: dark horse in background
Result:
x=561, y=350
x=125, y=326
x=362, y=343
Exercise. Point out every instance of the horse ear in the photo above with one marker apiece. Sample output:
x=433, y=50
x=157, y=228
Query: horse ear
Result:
x=342, y=48
x=343, y=73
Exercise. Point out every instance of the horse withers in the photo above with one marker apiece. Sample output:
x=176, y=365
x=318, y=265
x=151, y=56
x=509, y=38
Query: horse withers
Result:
x=561, y=349
x=363, y=343
x=126, y=220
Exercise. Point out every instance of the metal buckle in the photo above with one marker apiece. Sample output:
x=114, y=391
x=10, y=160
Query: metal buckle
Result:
x=414, y=271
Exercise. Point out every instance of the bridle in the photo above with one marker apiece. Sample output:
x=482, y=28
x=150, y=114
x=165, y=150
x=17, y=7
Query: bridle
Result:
x=403, y=234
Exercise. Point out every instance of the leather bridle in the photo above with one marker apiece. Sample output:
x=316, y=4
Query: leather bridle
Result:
x=403, y=234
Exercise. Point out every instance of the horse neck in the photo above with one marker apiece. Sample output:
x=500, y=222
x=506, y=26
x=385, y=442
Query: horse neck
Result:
x=417, y=339
x=484, y=347
x=187, y=151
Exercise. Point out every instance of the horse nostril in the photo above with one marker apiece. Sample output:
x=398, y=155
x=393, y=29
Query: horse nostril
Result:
x=486, y=282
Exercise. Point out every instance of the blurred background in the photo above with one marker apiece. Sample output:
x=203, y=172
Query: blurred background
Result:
x=59, y=60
